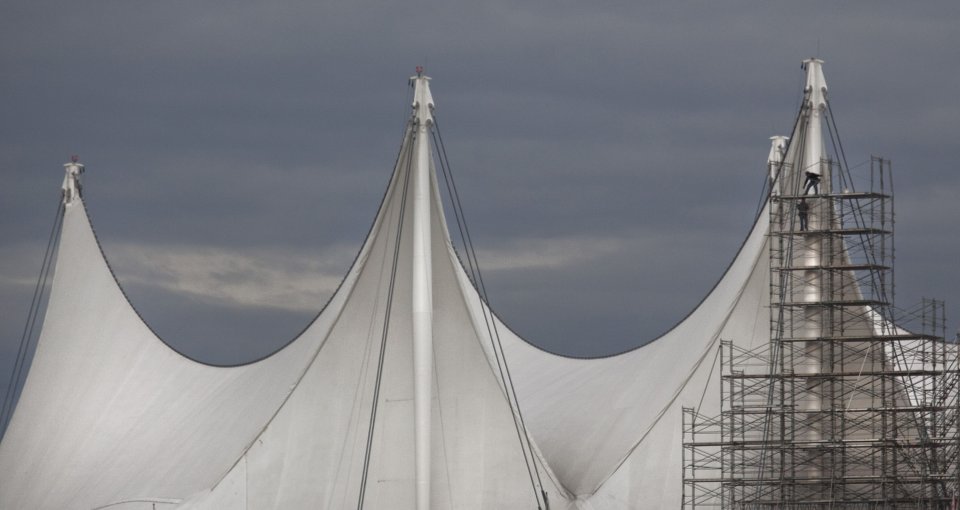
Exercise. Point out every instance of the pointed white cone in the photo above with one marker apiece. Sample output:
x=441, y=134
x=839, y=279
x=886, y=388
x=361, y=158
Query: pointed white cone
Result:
x=815, y=93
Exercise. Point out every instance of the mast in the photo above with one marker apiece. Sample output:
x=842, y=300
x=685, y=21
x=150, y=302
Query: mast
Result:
x=811, y=256
x=815, y=91
x=812, y=165
x=422, y=287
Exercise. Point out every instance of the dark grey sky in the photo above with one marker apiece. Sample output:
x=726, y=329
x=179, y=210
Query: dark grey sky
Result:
x=610, y=157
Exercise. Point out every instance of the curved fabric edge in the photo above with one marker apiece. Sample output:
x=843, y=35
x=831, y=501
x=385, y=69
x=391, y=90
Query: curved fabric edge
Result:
x=320, y=434
x=656, y=338
x=109, y=391
x=356, y=259
x=562, y=396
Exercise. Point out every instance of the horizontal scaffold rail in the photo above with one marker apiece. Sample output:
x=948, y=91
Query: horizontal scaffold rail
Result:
x=762, y=410
x=838, y=302
x=834, y=231
x=847, y=479
x=761, y=445
x=833, y=375
x=876, y=338
x=852, y=195
x=835, y=267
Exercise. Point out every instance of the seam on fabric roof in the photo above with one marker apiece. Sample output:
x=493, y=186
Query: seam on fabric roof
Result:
x=538, y=456
x=162, y=501
x=443, y=432
x=313, y=320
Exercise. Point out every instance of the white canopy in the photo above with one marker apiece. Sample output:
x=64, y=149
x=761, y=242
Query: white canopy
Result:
x=112, y=417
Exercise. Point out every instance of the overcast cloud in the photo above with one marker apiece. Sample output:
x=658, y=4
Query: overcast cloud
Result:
x=610, y=157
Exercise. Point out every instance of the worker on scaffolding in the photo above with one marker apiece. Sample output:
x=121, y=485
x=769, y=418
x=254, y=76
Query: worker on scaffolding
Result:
x=803, y=209
x=812, y=182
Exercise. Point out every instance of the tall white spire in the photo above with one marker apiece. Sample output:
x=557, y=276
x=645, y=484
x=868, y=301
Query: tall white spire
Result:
x=815, y=103
x=778, y=148
x=422, y=288
x=811, y=255
x=815, y=96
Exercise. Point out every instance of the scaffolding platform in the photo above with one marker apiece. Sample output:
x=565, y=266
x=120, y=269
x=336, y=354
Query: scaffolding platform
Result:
x=853, y=403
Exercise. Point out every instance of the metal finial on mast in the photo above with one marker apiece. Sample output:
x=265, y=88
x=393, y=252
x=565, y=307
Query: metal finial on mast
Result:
x=422, y=98
x=71, y=187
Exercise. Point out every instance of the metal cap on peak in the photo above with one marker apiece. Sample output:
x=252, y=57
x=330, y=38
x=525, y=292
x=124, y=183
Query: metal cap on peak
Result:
x=778, y=147
x=815, y=86
x=71, y=180
x=422, y=98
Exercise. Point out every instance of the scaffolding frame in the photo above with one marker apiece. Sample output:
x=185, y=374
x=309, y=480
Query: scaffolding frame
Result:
x=853, y=403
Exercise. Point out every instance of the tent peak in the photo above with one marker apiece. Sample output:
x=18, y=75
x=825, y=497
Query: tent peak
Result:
x=71, y=187
x=422, y=98
x=815, y=103
x=815, y=86
x=778, y=150
x=778, y=147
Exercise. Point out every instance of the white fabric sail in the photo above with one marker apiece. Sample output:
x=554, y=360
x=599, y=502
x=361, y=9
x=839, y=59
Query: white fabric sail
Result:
x=112, y=417
x=611, y=427
x=109, y=413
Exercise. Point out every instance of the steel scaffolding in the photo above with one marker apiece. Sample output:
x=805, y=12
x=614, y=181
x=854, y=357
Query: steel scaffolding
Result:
x=853, y=403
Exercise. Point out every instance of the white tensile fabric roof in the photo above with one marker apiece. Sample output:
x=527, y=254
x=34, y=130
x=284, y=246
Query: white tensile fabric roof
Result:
x=112, y=417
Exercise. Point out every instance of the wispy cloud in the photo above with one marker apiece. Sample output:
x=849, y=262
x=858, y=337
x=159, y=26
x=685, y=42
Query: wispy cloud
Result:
x=260, y=278
x=548, y=253
x=21, y=265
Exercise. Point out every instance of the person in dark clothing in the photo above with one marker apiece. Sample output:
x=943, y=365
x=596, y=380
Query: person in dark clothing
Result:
x=813, y=181
x=803, y=208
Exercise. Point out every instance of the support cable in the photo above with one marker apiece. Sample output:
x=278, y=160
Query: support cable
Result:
x=866, y=240
x=519, y=424
x=777, y=354
x=784, y=278
x=886, y=315
x=6, y=412
x=386, y=323
x=492, y=331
